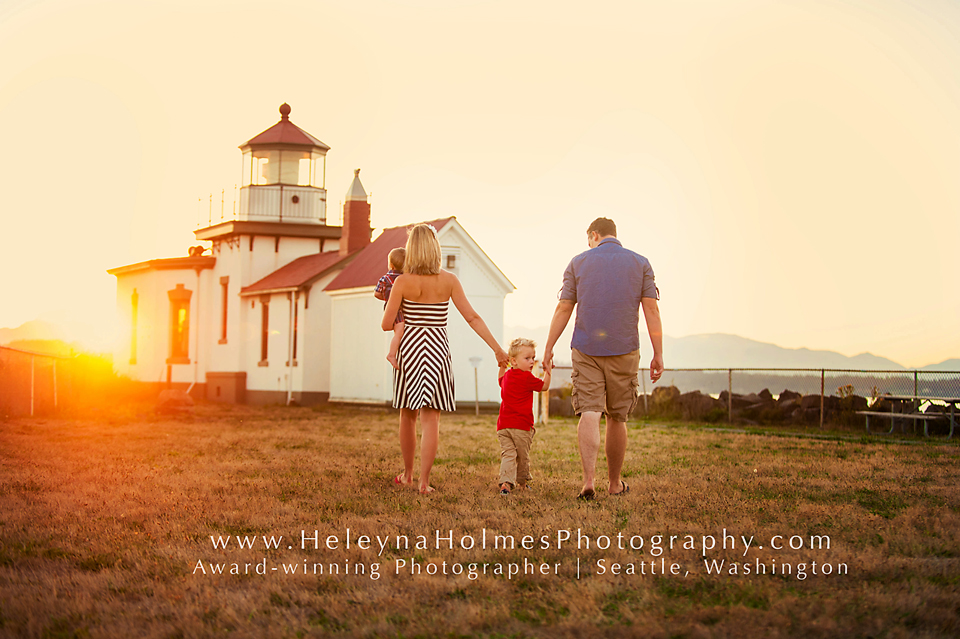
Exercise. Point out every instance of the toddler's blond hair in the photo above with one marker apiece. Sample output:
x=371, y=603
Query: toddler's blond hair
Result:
x=519, y=343
x=397, y=257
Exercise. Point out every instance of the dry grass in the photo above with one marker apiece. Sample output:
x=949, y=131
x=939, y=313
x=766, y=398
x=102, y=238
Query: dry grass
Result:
x=103, y=521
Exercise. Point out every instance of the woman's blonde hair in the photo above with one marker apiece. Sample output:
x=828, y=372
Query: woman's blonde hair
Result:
x=423, y=251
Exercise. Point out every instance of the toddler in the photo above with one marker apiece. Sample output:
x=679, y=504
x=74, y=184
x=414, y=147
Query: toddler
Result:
x=515, y=424
x=382, y=292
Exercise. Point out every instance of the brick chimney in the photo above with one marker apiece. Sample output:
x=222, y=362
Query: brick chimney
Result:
x=356, y=218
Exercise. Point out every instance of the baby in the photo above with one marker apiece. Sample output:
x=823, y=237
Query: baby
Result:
x=515, y=424
x=382, y=292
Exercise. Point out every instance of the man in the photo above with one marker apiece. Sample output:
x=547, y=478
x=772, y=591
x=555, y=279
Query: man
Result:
x=608, y=284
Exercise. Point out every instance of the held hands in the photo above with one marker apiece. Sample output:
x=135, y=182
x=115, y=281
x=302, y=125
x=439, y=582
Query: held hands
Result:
x=656, y=368
x=547, y=363
x=502, y=359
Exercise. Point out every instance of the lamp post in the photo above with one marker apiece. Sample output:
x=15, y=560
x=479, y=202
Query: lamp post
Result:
x=475, y=362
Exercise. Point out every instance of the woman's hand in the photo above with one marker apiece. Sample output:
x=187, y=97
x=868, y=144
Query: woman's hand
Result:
x=502, y=359
x=393, y=305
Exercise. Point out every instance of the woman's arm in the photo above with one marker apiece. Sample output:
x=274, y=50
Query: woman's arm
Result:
x=393, y=304
x=473, y=319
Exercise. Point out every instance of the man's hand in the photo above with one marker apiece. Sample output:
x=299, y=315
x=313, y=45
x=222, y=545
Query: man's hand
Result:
x=547, y=363
x=656, y=368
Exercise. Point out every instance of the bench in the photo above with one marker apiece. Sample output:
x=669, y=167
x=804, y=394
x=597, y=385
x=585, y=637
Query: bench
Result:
x=924, y=417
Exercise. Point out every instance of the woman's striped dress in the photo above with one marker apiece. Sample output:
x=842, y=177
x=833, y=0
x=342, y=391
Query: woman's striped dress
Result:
x=425, y=377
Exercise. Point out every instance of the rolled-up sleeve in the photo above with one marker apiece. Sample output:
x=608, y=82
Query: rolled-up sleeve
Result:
x=649, y=283
x=569, y=290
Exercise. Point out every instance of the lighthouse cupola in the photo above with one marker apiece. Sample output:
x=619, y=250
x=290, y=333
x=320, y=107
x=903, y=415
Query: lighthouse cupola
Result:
x=284, y=175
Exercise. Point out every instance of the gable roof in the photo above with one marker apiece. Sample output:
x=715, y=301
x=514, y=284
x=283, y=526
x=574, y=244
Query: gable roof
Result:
x=299, y=272
x=371, y=263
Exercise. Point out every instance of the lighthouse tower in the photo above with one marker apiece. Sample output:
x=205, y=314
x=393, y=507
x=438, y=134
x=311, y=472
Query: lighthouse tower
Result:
x=284, y=174
x=282, y=205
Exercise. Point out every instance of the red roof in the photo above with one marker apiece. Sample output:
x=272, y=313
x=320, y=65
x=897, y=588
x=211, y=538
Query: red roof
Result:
x=285, y=132
x=371, y=263
x=298, y=272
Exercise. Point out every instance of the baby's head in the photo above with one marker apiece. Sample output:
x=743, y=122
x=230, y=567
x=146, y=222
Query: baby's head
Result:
x=522, y=353
x=396, y=257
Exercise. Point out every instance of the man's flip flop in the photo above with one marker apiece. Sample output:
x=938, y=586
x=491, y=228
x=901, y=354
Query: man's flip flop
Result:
x=586, y=495
x=626, y=489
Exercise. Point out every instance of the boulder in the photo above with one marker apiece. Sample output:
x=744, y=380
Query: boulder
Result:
x=739, y=401
x=788, y=395
x=810, y=401
x=765, y=395
x=698, y=406
x=853, y=402
x=788, y=406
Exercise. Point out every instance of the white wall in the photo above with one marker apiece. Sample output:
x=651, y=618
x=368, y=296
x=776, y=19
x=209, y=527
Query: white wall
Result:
x=315, y=338
x=358, y=348
x=153, y=324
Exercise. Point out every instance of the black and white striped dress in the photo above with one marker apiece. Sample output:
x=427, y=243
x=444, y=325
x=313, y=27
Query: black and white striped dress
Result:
x=425, y=378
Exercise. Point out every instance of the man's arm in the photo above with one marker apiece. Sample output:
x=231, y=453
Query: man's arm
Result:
x=561, y=316
x=651, y=313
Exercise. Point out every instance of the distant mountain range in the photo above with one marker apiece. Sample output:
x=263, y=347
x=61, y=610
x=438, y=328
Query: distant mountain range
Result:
x=720, y=350
x=33, y=330
x=714, y=350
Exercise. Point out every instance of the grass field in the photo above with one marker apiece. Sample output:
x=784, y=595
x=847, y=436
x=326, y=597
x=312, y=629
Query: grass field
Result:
x=114, y=526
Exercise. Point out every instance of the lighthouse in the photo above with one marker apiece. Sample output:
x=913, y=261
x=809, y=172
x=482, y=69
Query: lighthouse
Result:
x=280, y=307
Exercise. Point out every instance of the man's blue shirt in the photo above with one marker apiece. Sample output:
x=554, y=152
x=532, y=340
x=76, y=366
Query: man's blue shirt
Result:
x=607, y=284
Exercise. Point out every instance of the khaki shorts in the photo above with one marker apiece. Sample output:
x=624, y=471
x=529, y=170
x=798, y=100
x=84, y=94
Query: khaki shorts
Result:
x=605, y=384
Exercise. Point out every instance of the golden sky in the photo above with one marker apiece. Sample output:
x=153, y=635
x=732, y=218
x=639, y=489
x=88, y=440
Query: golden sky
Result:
x=791, y=169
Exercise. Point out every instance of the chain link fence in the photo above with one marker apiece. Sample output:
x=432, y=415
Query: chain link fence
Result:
x=33, y=383
x=776, y=395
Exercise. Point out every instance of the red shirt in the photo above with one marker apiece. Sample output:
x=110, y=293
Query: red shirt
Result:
x=516, y=390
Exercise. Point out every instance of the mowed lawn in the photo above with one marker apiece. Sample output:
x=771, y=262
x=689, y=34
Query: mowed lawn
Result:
x=130, y=524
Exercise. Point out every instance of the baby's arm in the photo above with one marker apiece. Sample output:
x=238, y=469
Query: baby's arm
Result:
x=503, y=370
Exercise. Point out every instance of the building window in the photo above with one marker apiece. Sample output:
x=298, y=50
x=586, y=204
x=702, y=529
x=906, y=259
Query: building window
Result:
x=179, y=325
x=224, y=284
x=264, y=330
x=134, y=305
x=451, y=258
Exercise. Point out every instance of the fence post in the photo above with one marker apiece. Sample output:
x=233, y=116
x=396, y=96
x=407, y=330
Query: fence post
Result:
x=914, y=384
x=821, y=397
x=730, y=395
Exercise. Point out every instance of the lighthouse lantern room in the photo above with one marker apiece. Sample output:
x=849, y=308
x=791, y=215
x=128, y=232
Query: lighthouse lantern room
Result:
x=284, y=175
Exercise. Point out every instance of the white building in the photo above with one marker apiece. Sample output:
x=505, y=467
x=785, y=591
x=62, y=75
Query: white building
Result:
x=280, y=308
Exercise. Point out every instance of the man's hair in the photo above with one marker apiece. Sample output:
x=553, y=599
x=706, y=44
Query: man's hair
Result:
x=519, y=343
x=396, y=258
x=423, y=251
x=603, y=226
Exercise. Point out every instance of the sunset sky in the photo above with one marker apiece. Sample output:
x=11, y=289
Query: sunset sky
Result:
x=791, y=169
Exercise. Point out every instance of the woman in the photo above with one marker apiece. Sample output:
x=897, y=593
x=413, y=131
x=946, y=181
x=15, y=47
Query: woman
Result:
x=424, y=381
